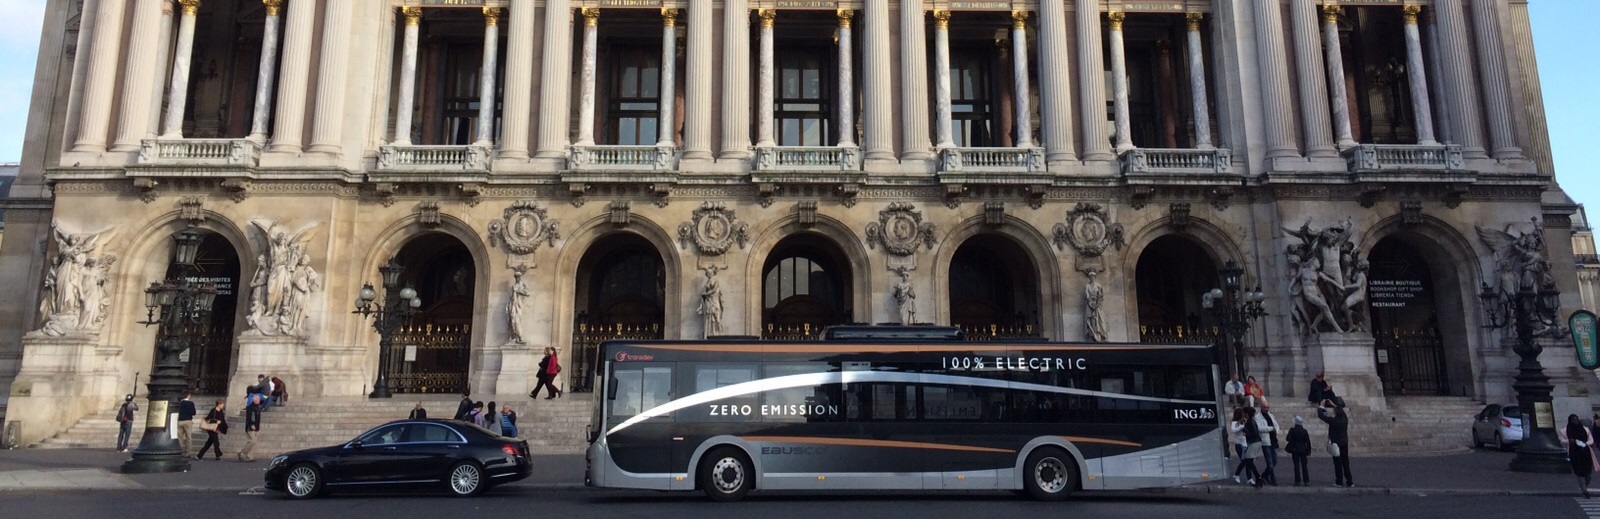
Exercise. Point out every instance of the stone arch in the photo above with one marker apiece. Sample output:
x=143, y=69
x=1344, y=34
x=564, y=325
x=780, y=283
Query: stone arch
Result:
x=769, y=234
x=562, y=311
x=1215, y=242
x=1454, y=270
x=1034, y=245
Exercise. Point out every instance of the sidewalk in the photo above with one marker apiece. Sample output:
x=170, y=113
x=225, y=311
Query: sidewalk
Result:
x=1473, y=473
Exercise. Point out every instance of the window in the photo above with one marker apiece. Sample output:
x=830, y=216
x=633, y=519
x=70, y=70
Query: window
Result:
x=385, y=435
x=433, y=433
x=463, y=67
x=711, y=376
x=635, y=106
x=815, y=403
x=804, y=97
x=638, y=390
x=797, y=276
x=971, y=103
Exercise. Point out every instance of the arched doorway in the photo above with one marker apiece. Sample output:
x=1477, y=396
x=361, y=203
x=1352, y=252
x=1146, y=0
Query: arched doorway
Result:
x=1410, y=290
x=994, y=289
x=620, y=294
x=1171, y=274
x=210, y=356
x=432, y=350
x=805, y=287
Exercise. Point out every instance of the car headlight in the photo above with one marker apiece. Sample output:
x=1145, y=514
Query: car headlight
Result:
x=276, y=461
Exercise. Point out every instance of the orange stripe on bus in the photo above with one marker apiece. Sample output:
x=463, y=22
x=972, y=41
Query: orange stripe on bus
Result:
x=876, y=444
x=1093, y=440
x=848, y=348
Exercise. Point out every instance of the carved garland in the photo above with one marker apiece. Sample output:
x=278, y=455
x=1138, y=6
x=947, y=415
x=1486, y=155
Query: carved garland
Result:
x=899, y=229
x=713, y=230
x=524, y=227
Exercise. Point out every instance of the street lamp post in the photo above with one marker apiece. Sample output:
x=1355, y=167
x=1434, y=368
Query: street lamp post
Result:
x=398, y=305
x=1541, y=450
x=1234, y=309
x=176, y=304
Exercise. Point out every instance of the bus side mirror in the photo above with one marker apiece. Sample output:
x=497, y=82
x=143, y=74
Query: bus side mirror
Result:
x=611, y=390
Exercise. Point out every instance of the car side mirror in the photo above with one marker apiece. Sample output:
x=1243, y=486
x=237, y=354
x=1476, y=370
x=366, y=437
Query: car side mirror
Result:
x=357, y=445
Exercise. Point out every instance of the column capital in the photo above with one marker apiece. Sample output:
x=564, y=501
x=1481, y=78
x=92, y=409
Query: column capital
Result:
x=941, y=18
x=766, y=16
x=413, y=15
x=1410, y=12
x=1330, y=12
x=591, y=16
x=1019, y=19
x=844, y=17
x=1193, y=20
x=491, y=16
x=1116, y=18
x=273, y=6
x=190, y=7
x=669, y=16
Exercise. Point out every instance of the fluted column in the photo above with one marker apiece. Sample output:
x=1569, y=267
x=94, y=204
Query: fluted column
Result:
x=1527, y=89
x=261, y=113
x=669, y=81
x=1092, y=91
x=327, y=129
x=139, y=76
x=1119, y=82
x=1466, y=116
x=876, y=110
x=1336, y=91
x=288, y=131
x=591, y=26
x=1197, y=84
x=735, y=79
x=100, y=82
x=1019, y=64
x=408, y=77
x=765, y=116
x=941, y=68
x=1309, y=75
x=1492, y=70
x=1416, y=73
x=847, y=91
x=1436, y=90
x=1055, y=106
x=913, y=82
x=697, y=105
x=519, y=81
x=1275, y=81
x=555, y=96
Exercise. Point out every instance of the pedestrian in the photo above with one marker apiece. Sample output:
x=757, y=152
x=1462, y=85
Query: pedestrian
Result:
x=1240, y=443
x=215, y=425
x=491, y=419
x=1235, y=391
x=1579, y=440
x=548, y=368
x=1319, y=389
x=464, y=408
x=476, y=415
x=252, y=428
x=508, y=421
x=1269, y=448
x=1333, y=413
x=280, y=391
x=125, y=422
x=186, y=413
x=1252, y=392
x=263, y=387
x=1298, y=445
x=419, y=412
x=1247, y=441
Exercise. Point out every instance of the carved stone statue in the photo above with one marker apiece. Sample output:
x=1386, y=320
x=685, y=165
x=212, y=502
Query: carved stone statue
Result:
x=517, y=309
x=283, y=281
x=75, y=298
x=1324, y=288
x=1520, y=266
x=710, y=308
x=1094, y=295
x=302, y=281
x=905, y=297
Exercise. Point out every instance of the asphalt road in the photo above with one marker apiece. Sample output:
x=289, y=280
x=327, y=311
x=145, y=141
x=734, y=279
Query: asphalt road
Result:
x=615, y=504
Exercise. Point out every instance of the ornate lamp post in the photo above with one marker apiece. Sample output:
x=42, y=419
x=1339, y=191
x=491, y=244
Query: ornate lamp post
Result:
x=1234, y=309
x=1541, y=450
x=178, y=305
x=398, y=306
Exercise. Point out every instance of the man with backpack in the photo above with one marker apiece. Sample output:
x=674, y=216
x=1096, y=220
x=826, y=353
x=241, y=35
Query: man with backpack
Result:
x=125, y=422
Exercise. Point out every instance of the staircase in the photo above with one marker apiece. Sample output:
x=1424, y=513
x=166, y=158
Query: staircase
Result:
x=1413, y=425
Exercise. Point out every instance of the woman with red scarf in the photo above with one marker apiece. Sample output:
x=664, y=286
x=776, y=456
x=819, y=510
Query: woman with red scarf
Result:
x=549, y=367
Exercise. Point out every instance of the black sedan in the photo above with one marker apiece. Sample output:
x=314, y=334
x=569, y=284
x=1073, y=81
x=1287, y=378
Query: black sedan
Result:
x=464, y=458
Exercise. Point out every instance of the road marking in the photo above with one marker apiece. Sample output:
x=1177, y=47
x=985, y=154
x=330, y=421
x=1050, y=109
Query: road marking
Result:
x=1591, y=506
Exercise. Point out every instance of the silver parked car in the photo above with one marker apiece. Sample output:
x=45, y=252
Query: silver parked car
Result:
x=1498, y=424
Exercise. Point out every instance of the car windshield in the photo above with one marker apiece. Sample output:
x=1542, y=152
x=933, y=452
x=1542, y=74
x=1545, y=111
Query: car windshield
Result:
x=1511, y=412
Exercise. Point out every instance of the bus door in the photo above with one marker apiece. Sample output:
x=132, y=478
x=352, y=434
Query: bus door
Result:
x=643, y=448
x=958, y=425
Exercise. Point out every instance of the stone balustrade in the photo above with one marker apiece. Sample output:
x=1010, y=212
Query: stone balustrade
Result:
x=434, y=158
x=997, y=160
x=199, y=152
x=622, y=157
x=1403, y=157
x=808, y=158
x=1168, y=161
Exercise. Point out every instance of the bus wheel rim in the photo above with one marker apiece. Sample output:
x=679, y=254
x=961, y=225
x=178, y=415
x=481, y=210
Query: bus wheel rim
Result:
x=728, y=474
x=1050, y=475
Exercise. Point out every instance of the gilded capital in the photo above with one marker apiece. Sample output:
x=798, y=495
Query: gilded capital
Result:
x=1330, y=12
x=413, y=15
x=1193, y=20
x=591, y=16
x=491, y=16
x=1116, y=18
x=1410, y=13
x=273, y=6
x=190, y=7
x=941, y=18
x=766, y=16
x=844, y=17
x=669, y=16
x=1019, y=19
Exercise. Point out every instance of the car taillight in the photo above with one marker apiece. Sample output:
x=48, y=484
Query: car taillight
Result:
x=1505, y=422
x=510, y=450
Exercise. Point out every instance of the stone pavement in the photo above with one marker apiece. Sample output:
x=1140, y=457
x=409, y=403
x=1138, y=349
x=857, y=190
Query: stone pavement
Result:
x=1471, y=473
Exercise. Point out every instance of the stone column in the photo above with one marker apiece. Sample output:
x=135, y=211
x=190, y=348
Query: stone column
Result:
x=288, y=131
x=1492, y=71
x=408, y=78
x=1276, y=110
x=669, y=67
x=554, y=81
x=1019, y=64
x=1416, y=73
x=913, y=83
x=1335, y=60
x=1119, y=82
x=1197, y=85
x=941, y=67
x=1308, y=70
x=1055, y=105
x=491, y=62
x=1528, y=91
x=100, y=81
x=519, y=81
x=697, y=103
x=139, y=76
x=1092, y=90
x=847, y=91
x=591, y=29
x=1167, y=79
x=735, y=80
x=764, y=93
x=1466, y=116
x=261, y=114
x=327, y=129
x=1441, y=112
x=876, y=110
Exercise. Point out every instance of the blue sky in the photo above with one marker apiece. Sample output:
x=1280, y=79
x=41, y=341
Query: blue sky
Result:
x=1564, y=34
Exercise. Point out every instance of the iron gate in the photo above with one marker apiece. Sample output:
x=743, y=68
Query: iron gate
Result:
x=430, y=359
x=1411, y=362
x=586, y=340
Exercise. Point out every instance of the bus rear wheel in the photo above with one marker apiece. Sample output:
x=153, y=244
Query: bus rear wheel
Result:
x=726, y=475
x=1050, y=475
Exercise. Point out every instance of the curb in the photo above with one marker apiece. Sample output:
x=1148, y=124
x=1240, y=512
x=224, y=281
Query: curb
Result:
x=1318, y=490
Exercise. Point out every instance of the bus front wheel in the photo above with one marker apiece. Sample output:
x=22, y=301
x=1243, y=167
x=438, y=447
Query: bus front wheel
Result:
x=1051, y=474
x=726, y=475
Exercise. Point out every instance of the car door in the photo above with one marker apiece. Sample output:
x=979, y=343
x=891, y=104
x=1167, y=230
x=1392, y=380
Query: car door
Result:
x=1483, y=426
x=373, y=457
x=429, y=451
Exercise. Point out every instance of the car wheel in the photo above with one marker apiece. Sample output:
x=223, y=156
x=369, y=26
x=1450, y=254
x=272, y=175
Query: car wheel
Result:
x=726, y=475
x=465, y=479
x=1476, y=442
x=303, y=481
x=1050, y=475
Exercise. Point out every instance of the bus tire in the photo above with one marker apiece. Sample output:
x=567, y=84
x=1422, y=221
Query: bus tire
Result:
x=726, y=474
x=1050, y=474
